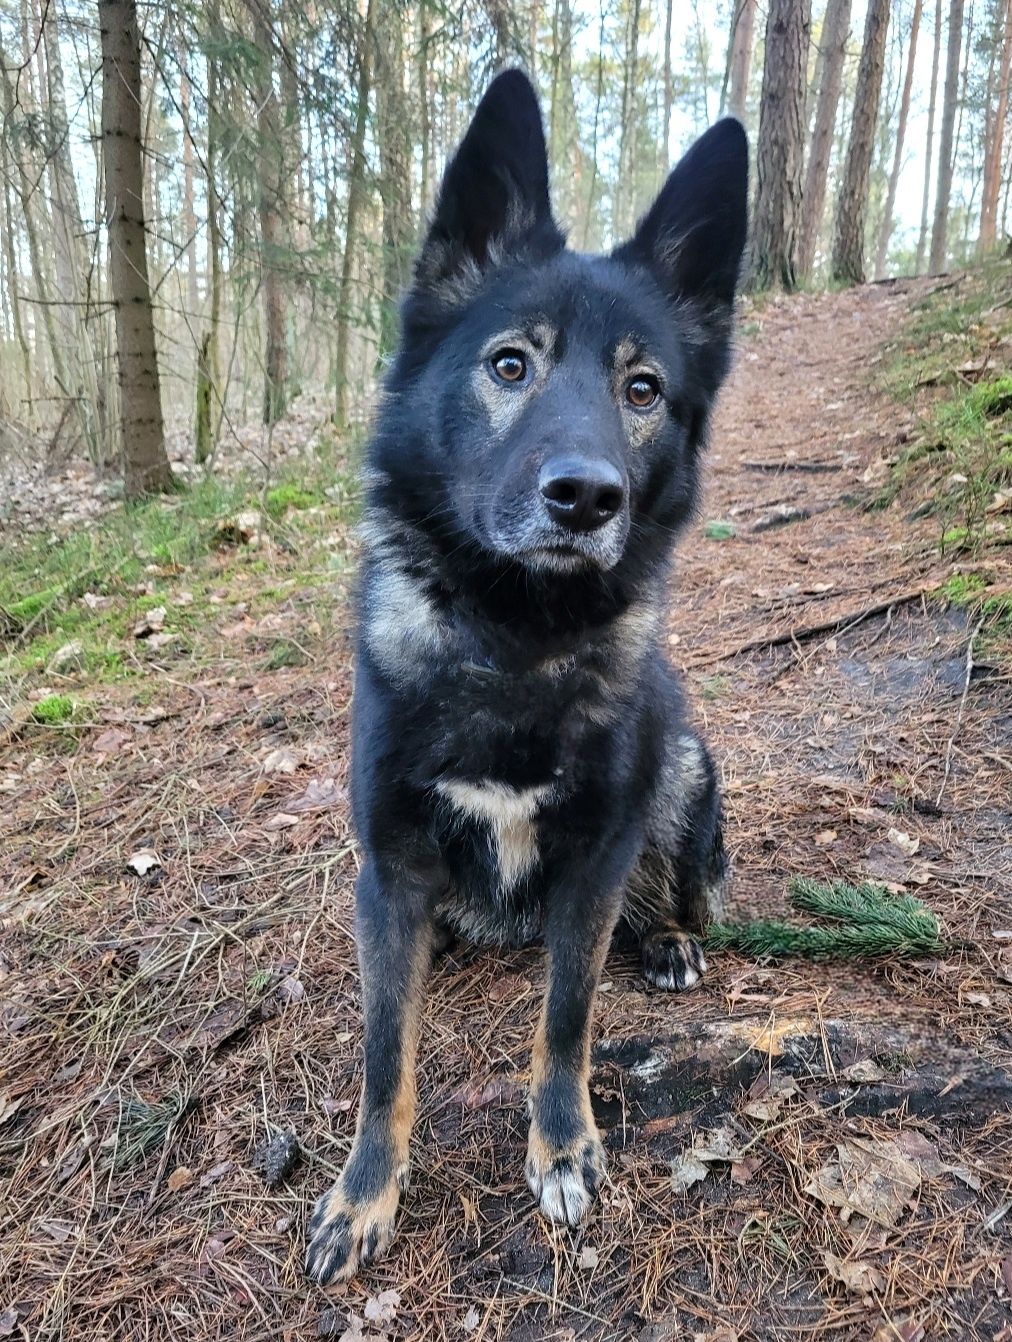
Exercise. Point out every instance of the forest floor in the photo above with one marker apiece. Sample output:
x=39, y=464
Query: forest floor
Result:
x=177, y=974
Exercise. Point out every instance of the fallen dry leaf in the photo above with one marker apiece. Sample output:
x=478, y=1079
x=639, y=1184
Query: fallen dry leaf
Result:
x=383, y=1308
x=290, y=989
x=281, y=820
x=861, y=1278
x=8, y=1321
x=180, y=1178
x=825, y=837
x=864, y=1072
x=215, y=1173
x=877, y=1178
x=768, y=1105
x=321, y=794
x=470, y=1320
x=589, y=1257
x=769, y=1038
x=907, y=844
x=283, y=760
x=110, y=742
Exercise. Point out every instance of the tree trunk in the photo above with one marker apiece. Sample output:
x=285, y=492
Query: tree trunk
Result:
x=994, y=131
x=356, y=198
x=395, y=176
x=189, y=214
x=739, y=57
x=625, y=190
x=885, y=232
x=852, y=200
x=271, y=203
x=835, y=28
x=781, y=144
x=940, y=227
x=424, y=107
x=922, y=237
x=146, y=466
x=14, y=281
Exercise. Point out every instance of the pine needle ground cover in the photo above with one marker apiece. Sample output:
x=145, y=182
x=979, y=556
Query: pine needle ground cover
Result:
x=178, y=982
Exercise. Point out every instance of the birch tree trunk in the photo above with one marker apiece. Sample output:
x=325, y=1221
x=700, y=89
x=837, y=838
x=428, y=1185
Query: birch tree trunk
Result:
x=852, y=201
x=145, y=464
x=885, y=232
x=940, y=227
x=833, y=44
x=781, y=144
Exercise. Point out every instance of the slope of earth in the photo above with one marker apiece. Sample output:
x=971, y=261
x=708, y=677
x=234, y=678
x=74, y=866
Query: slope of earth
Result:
x=818, y=1151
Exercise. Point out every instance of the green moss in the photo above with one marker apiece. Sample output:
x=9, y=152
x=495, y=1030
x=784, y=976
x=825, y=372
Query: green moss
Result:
x=719, y=531
x=962, y=589
x=283, y=654
x=28, y=608
x=54, y=710
x=281, y=498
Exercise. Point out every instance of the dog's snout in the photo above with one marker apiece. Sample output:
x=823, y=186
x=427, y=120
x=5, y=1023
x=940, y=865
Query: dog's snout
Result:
x=581, y=493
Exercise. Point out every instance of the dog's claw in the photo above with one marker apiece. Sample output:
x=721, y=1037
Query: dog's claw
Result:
x=564, y=1185
x=345, y=1236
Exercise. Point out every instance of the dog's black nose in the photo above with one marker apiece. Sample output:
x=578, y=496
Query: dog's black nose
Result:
x=581, y=493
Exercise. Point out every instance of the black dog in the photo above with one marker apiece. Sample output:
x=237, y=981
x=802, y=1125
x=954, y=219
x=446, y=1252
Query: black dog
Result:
x=522, y=766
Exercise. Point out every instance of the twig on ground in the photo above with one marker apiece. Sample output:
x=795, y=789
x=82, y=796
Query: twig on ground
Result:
x=962, y=708
x=802, y=632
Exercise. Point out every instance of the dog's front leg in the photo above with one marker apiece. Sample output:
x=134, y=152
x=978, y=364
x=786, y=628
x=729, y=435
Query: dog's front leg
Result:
x=565, y=1158
x=353, y=1223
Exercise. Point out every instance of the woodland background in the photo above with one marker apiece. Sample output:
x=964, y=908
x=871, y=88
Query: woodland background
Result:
x=271, y=165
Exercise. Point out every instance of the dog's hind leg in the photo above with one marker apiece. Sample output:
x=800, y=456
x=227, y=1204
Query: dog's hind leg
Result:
x=678, y=884
x=353, y=1223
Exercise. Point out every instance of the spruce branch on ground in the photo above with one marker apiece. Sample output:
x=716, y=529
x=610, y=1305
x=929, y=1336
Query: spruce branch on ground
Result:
x=869, y=922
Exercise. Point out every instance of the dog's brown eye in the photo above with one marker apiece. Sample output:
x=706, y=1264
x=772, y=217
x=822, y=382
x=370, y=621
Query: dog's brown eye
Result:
x=642, y=391
x=510, y=365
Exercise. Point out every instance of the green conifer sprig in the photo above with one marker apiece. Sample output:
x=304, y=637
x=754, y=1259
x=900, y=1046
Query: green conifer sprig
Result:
x=869, y=922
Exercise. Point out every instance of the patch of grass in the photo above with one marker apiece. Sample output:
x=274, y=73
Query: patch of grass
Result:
x=93, y=585
x=962, y=456
x=962, y=589
x=144, y=1127
x=54, y=710
x=714, y=687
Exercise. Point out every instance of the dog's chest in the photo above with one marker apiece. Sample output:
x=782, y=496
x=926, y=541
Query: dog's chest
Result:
x=492, y=834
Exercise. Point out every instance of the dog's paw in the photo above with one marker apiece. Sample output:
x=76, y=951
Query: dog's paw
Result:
x=565, y=1182
x=672, y=959
x=346, y=1234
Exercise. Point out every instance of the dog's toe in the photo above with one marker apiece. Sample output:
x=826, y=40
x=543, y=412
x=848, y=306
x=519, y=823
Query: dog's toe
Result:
x=564, y=1184
x=672, y=959
x=346, y=1235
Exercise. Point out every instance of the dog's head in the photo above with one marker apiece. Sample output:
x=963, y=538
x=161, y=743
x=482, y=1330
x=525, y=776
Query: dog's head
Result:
x=547, y=407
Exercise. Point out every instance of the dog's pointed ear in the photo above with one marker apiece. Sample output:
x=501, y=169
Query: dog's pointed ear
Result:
x=693, y=235
x=494, y=197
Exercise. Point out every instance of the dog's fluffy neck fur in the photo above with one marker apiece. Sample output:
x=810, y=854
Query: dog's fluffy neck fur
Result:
x=498, y=615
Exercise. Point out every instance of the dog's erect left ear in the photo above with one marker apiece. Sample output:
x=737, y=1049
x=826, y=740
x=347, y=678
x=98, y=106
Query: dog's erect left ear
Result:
x=494, y=195
x=693, y=235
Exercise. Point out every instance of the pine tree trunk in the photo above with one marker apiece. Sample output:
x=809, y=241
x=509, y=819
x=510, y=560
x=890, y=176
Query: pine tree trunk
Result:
x=356, y=199
x=669, y=90
x=740, y=56
x=994, y=132
x=781, y=144
x=625, y=192
x=835, y=28
x=424, y=107
x=271, y=202
x=852, y=201
x=922, y=237
x=395, y=177
x=885, y=232
x=210, y=405
x=145, y=464
x=940, y=227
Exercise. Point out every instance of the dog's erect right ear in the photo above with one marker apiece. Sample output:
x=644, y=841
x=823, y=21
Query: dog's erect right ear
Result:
x=693, y=235
x=494, y=197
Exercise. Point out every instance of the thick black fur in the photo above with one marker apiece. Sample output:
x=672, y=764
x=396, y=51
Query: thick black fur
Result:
x=522, y=766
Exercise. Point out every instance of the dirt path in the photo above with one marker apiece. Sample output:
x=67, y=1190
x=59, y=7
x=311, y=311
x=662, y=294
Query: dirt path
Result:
x=157, y=1026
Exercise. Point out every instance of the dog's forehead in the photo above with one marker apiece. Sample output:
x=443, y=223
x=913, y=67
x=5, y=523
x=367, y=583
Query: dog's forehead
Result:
x=584, y=301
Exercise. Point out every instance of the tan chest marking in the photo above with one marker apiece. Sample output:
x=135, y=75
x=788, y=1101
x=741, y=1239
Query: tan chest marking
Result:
x=509, y=814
